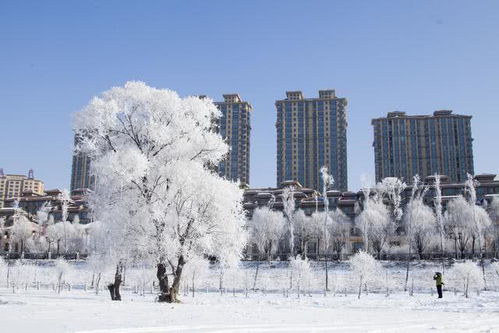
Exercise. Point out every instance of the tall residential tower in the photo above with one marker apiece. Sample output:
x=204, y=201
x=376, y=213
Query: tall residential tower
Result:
x=312, y=132
x=408, y=145
x=80, y=171
x=234, y=126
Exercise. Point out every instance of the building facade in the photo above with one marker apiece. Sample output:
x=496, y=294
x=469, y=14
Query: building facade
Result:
x=80, y=171
x=13, y=186
x=234, y=126
x=425, y=145
x=311, y=133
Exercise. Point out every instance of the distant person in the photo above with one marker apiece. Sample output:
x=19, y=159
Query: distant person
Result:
x=438, y=280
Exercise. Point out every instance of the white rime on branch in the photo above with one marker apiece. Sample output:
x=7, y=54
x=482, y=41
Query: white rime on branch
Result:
x=156, y=195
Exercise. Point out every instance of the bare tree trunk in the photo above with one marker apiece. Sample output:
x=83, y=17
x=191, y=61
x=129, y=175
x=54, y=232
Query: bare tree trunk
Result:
x=407, y=272
x=327, y=276
x=8, y=274
x=97, y=284
x=256, y=275
x=360, y=287
x=114, y=288
x=176, y=284
x=482, y=263
x=170, y=295
x=59, y=279
x=163, y=282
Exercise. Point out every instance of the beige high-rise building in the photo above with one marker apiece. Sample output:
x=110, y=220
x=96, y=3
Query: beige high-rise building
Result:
x=12, y=186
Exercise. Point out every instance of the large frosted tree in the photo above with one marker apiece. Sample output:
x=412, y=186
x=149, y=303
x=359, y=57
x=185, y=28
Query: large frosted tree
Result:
x=156, y=195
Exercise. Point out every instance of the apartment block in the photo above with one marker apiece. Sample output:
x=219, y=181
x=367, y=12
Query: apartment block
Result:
x=311, y=133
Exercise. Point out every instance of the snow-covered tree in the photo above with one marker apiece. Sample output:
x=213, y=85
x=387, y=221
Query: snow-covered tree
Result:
x=156, y=193
x=365, y=269
x=22, y=230
x=480, y=219
x=51, y=234
x=288, y=201
x=3, y=230
x=327, y=181
x=392, y=188
x=457, y=220
x=301, y=273
x=467, y=223
x=469, y=274
x=339, y=226
x=375, y=223
x=494, y=209
x=439, y=216
x=65, y=199
x=266, y=228
x=195, y=270
x=4, y=271
x=420, y=222
x=57, y=233
x=61, y=268
x=308, y=228
x=97, y=265
x=42, y=213
x=494, y=215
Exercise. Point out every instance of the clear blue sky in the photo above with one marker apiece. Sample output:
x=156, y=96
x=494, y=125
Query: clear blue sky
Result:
x=415, y=56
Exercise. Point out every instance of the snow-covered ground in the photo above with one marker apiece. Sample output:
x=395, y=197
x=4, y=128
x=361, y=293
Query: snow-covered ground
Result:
x=80, y=311
x=31, y=303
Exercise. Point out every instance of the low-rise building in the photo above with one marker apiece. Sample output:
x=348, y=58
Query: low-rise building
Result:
x=12, y=186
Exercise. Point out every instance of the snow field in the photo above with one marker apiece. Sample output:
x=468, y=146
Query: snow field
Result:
x=28, y=306
x=79, y=311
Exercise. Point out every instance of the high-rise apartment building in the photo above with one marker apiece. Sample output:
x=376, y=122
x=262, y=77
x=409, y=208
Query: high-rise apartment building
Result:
x=234, y=126
x=12, y=186
x=408, y=145
x=80, y=171
x=311, y=133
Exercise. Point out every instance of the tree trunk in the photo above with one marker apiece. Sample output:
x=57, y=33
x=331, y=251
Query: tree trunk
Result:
x=269, y=255
x=482, y=263
x=114, y=288
x=97, y=284
x=407, y=272
x=171, y=296
x=163, y=282
x=59, y=279
x=175, y=286
x=256, y=275
x=8, y=275
x=327, y=276
x=360, y=287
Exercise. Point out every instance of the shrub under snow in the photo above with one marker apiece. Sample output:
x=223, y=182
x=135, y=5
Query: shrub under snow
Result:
x=469, y=274
x=300, y=273
x=365, y=269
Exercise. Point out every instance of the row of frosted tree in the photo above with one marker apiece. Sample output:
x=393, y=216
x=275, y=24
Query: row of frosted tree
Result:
x=422, y=226
x=22, y=236
x=387, y=222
